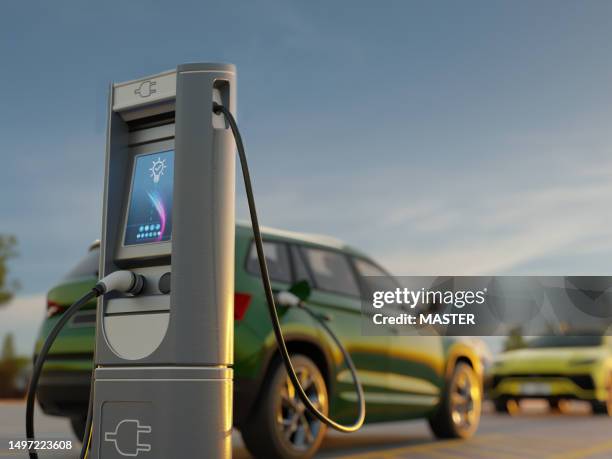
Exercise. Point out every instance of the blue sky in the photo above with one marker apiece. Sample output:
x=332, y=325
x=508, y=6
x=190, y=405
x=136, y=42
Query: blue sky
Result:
x=440, y=137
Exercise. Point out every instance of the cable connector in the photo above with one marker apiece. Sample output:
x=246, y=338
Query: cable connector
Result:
x=121, y=281
x=217, y=108
x=288, y=299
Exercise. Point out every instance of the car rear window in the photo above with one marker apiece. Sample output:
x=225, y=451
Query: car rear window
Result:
x=86, y=267
x=277, y=260
x=332, y=271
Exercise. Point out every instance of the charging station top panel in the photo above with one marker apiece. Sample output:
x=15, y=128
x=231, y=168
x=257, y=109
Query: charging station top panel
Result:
x=159, y=88
x=153, y=89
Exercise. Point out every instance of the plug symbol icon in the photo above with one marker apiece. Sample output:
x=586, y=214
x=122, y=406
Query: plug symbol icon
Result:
x=146, y=88
x=126, y=437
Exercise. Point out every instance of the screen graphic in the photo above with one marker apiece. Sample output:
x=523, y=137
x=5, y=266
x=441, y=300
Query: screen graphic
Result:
x=150, y=208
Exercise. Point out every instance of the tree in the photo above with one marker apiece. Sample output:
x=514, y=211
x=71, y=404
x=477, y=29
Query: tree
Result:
x=8, y=348
x=9, y=367
x=7, y=251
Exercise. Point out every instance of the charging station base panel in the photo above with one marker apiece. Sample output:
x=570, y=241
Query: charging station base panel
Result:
x=155, y=413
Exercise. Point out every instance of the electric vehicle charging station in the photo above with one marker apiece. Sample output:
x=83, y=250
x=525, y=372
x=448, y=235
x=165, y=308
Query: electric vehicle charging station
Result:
x=163, y=376
x=162, y=379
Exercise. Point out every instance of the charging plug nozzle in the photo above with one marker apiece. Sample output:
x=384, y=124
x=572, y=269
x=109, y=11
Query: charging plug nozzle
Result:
x=121, y=281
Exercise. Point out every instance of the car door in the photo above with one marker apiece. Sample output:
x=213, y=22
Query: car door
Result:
x=248, y=284
x=416, y=363
x=336, y=294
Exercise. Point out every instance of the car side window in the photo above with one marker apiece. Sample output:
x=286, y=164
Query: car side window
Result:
x=277, y=260
x=373, y=278
x=332, y=271
x=299, y=267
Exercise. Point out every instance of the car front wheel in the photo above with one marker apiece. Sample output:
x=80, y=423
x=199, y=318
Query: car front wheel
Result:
x=458, y=414
x=280, y=426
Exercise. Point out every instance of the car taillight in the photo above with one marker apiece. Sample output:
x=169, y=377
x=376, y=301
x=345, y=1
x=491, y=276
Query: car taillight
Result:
x=241, y=304
x=53, y=308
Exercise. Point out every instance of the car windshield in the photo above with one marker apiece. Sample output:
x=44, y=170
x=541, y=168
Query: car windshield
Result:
x=565, y=341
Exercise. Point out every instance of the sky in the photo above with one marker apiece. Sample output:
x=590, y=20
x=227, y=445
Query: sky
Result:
x=440, y=137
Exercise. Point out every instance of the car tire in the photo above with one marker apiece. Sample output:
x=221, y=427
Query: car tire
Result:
x=501, y=406
x=554, y=404
x=78, y=426
x=604, y=407
x=458, y=414
x=279, y=427
x=600, y=408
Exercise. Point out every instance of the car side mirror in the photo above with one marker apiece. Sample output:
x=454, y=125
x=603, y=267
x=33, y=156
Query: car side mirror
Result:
x=301, y=289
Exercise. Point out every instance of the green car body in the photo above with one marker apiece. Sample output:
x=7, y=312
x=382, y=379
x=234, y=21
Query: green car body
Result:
x=556, y=368
x=404, y=377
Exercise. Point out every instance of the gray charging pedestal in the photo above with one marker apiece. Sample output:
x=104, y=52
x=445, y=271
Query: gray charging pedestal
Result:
x=163, y=376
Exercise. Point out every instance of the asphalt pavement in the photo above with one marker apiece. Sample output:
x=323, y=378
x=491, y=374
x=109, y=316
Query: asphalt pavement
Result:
x=531, y=432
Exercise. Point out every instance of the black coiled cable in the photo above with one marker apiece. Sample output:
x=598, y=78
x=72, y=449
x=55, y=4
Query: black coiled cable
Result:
x=265, y=277
x=42, y=356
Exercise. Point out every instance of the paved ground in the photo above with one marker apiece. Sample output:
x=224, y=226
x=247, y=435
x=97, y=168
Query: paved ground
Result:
x=531, y=433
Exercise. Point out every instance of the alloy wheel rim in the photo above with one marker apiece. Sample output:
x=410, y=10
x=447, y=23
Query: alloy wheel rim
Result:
x=465, y=401
x=298, y=427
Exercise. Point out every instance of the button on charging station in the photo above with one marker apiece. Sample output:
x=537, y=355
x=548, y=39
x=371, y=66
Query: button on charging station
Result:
x=164, y=283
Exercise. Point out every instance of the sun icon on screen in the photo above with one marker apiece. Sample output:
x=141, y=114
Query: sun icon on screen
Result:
x=157, y=169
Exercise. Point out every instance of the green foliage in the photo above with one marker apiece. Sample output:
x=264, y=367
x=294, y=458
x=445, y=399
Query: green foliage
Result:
x=10, y=367
x=8, y=348
x=7, y=251
x=515, y=340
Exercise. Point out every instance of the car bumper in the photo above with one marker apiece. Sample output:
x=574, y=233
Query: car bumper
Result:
x=581, y=387
x=64, y=393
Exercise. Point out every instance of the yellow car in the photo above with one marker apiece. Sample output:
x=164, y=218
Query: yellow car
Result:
x=555, y=368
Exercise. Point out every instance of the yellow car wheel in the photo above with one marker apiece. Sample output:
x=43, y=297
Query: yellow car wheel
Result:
x=458, y=415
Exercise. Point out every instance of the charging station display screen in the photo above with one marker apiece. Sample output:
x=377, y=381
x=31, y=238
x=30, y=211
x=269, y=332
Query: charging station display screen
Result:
x=149, y=215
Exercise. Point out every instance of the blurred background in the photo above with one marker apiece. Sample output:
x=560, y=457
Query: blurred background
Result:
x=451, y=138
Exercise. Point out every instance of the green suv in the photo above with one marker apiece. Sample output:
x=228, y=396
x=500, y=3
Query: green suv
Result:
x=404, y=377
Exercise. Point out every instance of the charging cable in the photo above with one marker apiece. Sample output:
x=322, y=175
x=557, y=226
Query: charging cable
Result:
x=121, y=281
x=265, y=277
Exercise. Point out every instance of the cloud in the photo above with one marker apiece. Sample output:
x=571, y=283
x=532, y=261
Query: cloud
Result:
x=496, y=219
x=501, y=230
